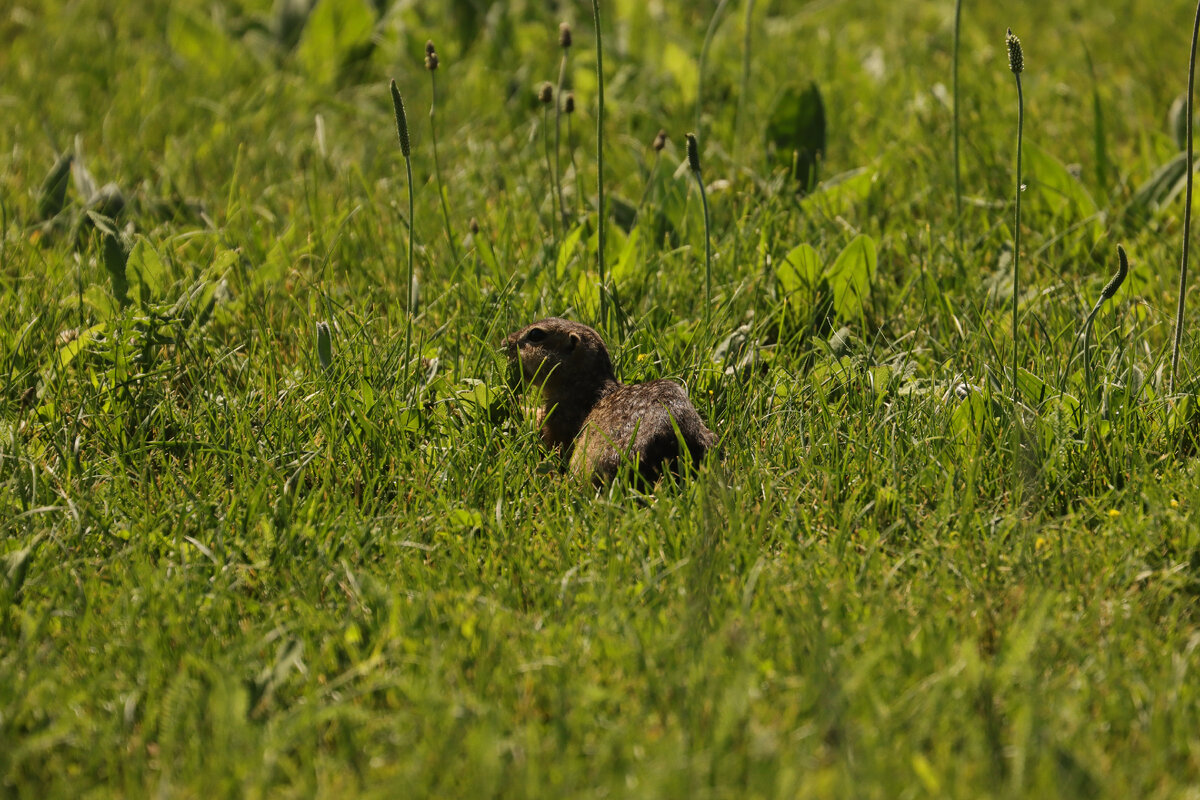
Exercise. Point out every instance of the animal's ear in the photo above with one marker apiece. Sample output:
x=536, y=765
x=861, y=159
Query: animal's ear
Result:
x=574, y=339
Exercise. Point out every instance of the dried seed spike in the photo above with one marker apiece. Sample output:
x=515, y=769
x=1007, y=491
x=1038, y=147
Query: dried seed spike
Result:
x=401, y=121
x=1113, y=285
x=693, y=153
x=564, y=35
x=660, y=141
x=431, y=56
x=546, y=93
x=1016, y=57
x=569, y=102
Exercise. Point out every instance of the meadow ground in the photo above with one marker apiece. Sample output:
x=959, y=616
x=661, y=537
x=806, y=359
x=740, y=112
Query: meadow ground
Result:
x=238, y=558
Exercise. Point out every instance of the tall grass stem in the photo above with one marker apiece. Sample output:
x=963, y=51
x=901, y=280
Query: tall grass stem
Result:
x=600, y=165
x=1106, y=294
x=406, y=151
x=744, y=84
x=958, y=236
x=564, y=38
x=708, y=37
x=437, y=166
x=555, y=220
x=1016, y=62
x=574, y=169
x=693, y=156
x=1187, y=207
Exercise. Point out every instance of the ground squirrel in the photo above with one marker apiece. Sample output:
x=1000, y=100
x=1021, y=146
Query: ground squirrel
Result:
x=592, y=419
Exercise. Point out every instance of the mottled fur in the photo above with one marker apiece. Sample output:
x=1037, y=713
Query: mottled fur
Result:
x=592, y=419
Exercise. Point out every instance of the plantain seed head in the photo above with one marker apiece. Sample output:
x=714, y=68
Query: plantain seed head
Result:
x=1111, y=287
x=1016, y=58
x=693, y=153
x=401, y=121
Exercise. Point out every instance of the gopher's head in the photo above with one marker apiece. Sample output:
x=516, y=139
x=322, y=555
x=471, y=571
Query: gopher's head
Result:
x=558, y=353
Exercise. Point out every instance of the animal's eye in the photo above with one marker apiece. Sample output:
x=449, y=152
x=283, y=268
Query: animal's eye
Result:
x=535, y=335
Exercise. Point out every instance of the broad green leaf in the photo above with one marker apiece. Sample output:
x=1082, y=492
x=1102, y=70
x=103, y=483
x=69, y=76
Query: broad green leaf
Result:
x=288, y=21
x=851, y=276
x=464, y=519
x=799, y=273
x=970, y=419
x=880, y=377
x=275, y=266
x=1032, y=389
x=838, y=194
x=796, y=133
x=587, y=293
x=630, y=258
x=67, y=353
x=53, y=194
x=1160, y=188
x=568, y=251
x=146, y=271
x=681, y=64
x=1057, y=188
x=487, y=257
x=408, y=421
x=200, y=42
x=324, y=345
x=116, y=260
x=335, y=30
x=100, y=301
x=16, y=566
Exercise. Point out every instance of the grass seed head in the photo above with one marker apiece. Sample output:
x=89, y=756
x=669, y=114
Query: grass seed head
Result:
x=546, y=93
x=660, y=141
x=569, y=102
x=431, y=56
x=1111, y=287
x=401, y=121
x=693, y=153
x=1016, y=57
x=564, y=35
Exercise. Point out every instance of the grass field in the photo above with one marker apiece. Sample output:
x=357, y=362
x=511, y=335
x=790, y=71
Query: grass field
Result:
x=236, y=563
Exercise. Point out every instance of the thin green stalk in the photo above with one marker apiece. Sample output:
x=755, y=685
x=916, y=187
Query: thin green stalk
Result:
x=744, y=85
x=1107, y=293
x=1016, y=62
x=544, y=97
x=575, y=172
x=708, y=37
x=1187, y=208
x=600, y=163
x=406, y=151
x=637, y=214
x=957, y=168
x=1098, y=136
x=660, y=141
x=431, y=63
x=693, y=155
x=564, y=40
